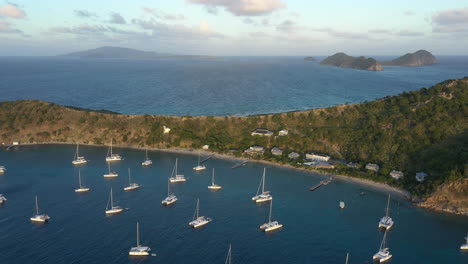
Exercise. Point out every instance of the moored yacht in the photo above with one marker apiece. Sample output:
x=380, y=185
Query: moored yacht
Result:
x=199, y=221
x=271, y=225
x=39, y=217
x=110, y=208
x=386, y=222
x=2, y=199
x=81, y=188
x=131, y=185
x=342, y=205
x=265, y=195
x=213, y=185
x=147, y=161
x=465, y=246
x=199, y=167
x=77, y=160
x=110, y=173
x=177, y=177
x=383, y=254
x=2, y=169
x=171, y=198
x=139, y=250
x=112, y=156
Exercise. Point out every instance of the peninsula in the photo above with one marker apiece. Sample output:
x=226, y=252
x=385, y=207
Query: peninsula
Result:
x=423, y=131
x=418, y=58
x=344, y=61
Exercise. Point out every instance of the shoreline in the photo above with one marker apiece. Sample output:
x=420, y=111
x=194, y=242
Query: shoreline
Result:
x=400, y=193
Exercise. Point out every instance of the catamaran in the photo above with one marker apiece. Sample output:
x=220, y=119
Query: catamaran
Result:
x=131, y=185
x=39, y=217
x=271, y=225
x=199, y=167
x=465, y=246
x=177, y=177
x=386, y=221
x=112, y=156
x=2, y=169
x=112, y=209
x=171, y=198
x=265, y=195
x=229, y=257
x=2, y=199
x=77, y=160
x=110, y=174
x=213, y=185
x=383, y=254
x=80, y=187
x=199, y=221
x=147, y=161
x=139, y=250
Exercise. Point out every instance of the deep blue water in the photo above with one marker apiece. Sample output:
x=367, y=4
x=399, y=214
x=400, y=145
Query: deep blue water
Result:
x=230, y=86
x=315, y=230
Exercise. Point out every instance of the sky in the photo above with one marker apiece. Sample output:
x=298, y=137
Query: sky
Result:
x=235, y=27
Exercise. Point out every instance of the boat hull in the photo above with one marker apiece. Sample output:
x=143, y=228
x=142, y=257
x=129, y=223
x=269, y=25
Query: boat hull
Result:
x=146, y=163
x=173, y=180
x=81, y=190
x=131, y=188
x=114, y=211
x=215, y=187
x=273, y=228
x=464, y=247
x=199, y=223
x=40, y=218
x=78, y=162
x=110, y=175
x=139, y=251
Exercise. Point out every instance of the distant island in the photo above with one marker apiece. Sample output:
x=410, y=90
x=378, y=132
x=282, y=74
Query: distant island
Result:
x=108, y=52
x=421, y=132
x=344, y=61
x=309, y=58
x=418, y=58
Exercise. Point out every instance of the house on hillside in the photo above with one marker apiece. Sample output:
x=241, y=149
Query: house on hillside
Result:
x=255, y=150
x=276, y=151
x=294, y=155
x=421, y=176
x=283, y=132
x=262, y=132
x=166, y=130
x=397, y=175
x=352, y=165
x=317, y=157
x=372, y=167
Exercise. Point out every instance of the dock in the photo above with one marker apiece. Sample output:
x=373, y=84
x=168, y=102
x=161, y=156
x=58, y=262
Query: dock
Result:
x=321, y=183
x=207, y=158
x=240, y=164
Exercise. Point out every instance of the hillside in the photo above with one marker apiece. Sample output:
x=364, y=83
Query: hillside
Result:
x=425, y=130
x=344, y=61
x=418, y=58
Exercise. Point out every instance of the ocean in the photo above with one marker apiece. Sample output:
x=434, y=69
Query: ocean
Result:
x=228, y=86
x=315, y=230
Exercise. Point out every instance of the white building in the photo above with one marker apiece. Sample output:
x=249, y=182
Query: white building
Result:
x=166, y=130
x=421, y=176
x=206, y=147
x=283, y=132
x=352, y=165
x=261, y=132
x=254, y=150
x=16, y=143
x=293, y=155
x=397, y=175
x=276, y=151
x=372, y=167
x=317, y=157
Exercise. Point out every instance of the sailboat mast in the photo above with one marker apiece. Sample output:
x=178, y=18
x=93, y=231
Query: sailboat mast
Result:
x=37, y=206
x=271, y=205
x=198, y=206
x=79, y=178
x=77, y=153
x=347, y=256
x=111, y=148
x=168, y=191
x=388, y=205
x=138, y=234
x=176, y=166
x=382, y=245
x=212, y=178
x=112, y=199
x=263, y=181
x=129, y=177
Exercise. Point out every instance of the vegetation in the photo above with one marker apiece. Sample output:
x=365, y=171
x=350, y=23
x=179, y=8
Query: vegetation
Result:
x=345, y=61
x=425, y=130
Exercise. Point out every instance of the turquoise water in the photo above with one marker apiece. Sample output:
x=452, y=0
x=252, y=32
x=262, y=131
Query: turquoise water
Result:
x=315, y=230
x=231, y=86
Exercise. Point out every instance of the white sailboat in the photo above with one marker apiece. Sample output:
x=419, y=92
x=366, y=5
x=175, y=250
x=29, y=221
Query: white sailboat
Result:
x=2, y=199
x=2, y=169
x=177, y=177
x=112, y=156
x=265, y=195
x=77, y=160
x=199, y=221
x=139, y=250
x=213, y=185
x=131, y=185
x=199, y=167
x=171, y=198
x=110, y=174
x=383, y=254
x=39, y=217
x=386, y=221
x=80, y=187
x=229, y=257
x=342, y=205
x=112, y=209
x=465, y=246
x=147, y=161
x=271, y=225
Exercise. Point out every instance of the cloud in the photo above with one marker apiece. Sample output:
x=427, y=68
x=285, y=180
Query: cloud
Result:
x=409, y=13
x=169, y=31
x=450, y=21
x=242, y=7
x=83, y=29
x=5, y=28
x=116, y=18
x=341, y=34
x=162, y=15
x=380, y=31
x=409, y=33
x=12, y=11
x=287, y=26
x=84, y=13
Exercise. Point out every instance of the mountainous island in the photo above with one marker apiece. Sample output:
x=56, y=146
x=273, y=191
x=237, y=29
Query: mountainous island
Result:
x=418, y=58
x=344, y=61
x=418, y=131
x=127, y=53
